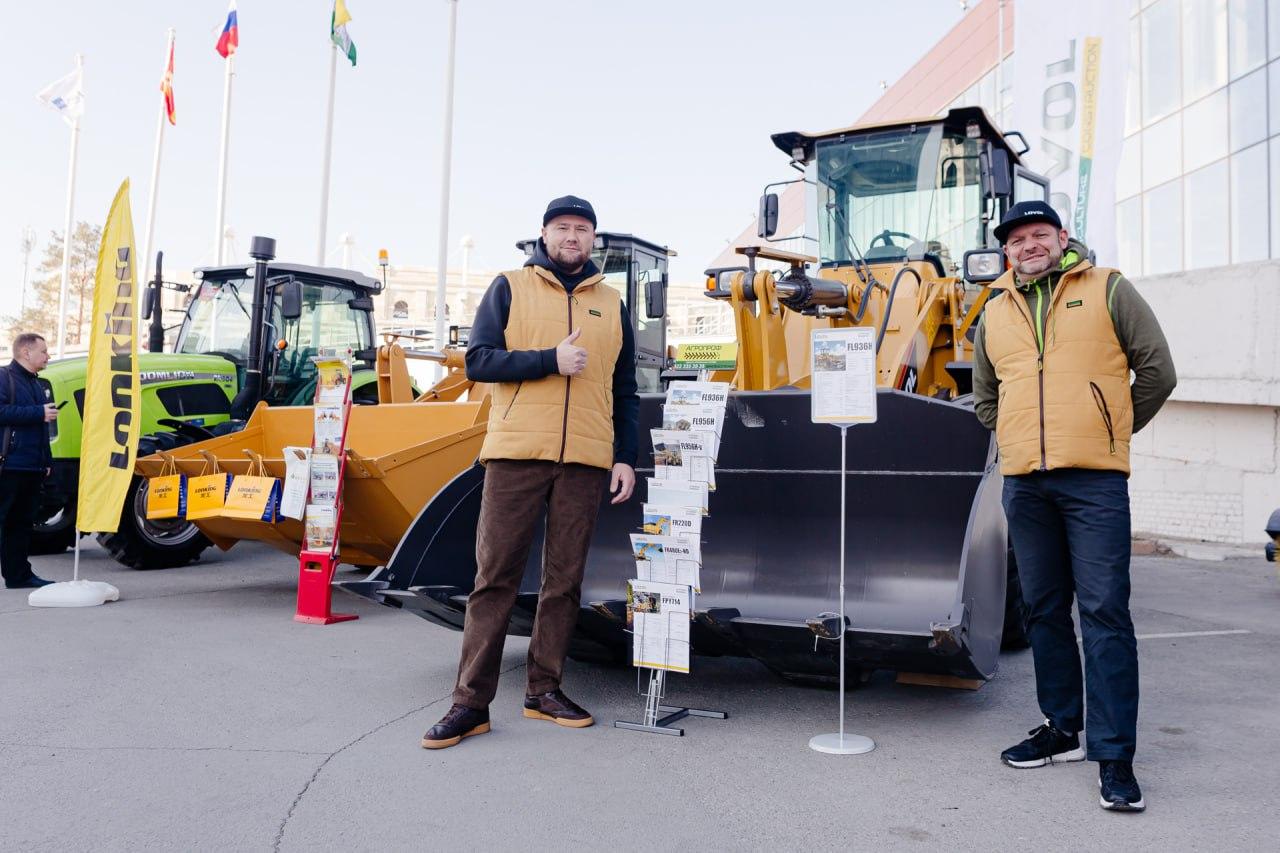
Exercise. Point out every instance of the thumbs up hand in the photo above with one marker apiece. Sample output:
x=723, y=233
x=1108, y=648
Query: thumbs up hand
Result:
x=570, y=359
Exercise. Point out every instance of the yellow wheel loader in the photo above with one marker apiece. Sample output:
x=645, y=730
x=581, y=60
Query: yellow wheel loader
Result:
x=896, y=237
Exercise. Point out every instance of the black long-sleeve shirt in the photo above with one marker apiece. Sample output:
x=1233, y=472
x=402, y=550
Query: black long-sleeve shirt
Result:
x=489, y=360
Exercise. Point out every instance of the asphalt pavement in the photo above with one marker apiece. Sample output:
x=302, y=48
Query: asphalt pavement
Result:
x=194, y=714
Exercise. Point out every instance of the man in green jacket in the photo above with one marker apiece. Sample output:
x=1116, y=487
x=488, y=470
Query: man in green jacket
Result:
x=1054, y=351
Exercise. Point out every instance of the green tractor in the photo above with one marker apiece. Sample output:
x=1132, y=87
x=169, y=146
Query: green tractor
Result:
x=248, y=336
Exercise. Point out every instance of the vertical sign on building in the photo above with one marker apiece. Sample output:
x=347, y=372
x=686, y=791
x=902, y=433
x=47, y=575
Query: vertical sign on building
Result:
x=1068, y=100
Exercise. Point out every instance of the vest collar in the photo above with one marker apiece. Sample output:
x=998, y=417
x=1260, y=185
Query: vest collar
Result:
x=551, y=278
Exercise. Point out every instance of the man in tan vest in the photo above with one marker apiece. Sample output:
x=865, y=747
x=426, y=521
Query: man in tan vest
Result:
x=1053, y=356
x=557, y=345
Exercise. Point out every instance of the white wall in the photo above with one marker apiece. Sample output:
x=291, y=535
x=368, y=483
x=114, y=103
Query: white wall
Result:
x=1208, y=466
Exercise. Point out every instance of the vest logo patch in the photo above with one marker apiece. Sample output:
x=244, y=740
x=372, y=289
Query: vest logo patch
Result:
x=594, y=313
x=1075, y=303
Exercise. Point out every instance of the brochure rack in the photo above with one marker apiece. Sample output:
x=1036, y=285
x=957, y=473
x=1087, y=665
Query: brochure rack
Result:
x=316, y=566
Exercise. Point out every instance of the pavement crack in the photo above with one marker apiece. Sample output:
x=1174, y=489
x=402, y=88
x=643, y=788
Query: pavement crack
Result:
x=66, y=748
x=307, y=787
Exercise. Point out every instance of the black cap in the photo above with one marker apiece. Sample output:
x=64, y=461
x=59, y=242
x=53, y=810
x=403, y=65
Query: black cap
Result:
x=1025, y=212
x=570, y=205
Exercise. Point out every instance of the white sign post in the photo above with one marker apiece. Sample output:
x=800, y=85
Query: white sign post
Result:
x=843, y=393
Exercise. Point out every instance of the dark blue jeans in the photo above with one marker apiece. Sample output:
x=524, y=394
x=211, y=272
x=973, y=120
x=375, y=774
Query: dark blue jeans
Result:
x=1070, y=534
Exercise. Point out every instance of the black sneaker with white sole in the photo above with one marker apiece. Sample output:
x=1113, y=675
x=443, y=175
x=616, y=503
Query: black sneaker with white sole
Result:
x=1120, y=791
x=1047, y=745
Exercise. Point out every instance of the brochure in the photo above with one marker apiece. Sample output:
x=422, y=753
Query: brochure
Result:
x=672, y=520
x=297, y=479
x=321, y=527
x=658, y=614
x=332, y=378
x=844, y=375
x=651, y=558
x=679, y=455
x=709, y=419
x=678, y=493
x=328, y=429
x=698, y=394
x=324, y=478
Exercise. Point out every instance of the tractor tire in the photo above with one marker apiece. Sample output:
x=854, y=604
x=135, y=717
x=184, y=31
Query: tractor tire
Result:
x=54, y=534
x=1017, y=615
x=142, y=543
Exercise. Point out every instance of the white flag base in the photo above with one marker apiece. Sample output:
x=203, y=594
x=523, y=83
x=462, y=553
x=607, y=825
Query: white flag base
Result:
x=838, y=744
x=73, y=594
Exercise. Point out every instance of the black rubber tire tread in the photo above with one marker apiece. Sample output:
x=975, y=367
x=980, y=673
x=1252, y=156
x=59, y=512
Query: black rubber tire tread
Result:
x=53, y=541
x=1016, y=613
x=129, y=547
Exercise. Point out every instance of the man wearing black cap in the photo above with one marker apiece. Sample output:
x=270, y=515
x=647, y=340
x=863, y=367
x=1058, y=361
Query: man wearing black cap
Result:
x=557, y=346
x=1053, y=355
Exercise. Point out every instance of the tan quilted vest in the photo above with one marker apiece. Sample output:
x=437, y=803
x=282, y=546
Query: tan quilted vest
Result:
x=558, y=418
x=1071, y=408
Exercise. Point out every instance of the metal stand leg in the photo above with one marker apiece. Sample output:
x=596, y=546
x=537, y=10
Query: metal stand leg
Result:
x=653, y=708
x=839, y=743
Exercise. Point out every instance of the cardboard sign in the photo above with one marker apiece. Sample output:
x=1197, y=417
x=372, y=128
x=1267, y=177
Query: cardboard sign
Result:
x=206, y=494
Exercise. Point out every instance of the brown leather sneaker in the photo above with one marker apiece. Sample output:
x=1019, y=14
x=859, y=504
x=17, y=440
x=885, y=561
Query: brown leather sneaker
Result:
x=558, y=708
x=460, y=722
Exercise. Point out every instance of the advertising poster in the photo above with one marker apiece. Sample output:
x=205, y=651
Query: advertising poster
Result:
x=844, y=375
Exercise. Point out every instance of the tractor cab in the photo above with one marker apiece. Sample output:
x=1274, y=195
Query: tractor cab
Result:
x=927, y=190
x=637, y=269
x=307, y=309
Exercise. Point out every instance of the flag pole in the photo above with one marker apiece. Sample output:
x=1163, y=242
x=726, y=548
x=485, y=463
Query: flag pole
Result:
x=328, y=151
x=66, y=231
x=220, y=237
x=442, y=268
x=148, y=232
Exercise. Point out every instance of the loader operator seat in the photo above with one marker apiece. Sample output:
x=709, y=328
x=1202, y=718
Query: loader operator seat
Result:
x=882, y=249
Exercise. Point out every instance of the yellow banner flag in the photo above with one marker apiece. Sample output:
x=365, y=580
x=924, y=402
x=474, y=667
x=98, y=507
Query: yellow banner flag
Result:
x=111, y=394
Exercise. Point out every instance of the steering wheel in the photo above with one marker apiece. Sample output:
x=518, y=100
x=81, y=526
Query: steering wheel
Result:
x=886, y=237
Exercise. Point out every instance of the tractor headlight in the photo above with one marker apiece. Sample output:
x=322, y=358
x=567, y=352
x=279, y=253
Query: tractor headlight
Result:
x=982, y=266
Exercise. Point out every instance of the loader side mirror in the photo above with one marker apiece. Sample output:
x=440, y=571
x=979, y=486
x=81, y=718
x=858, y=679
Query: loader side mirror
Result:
x=767, y=222
x=291, y=299
x=655, y=297
x=996, y=174
x=360, y=303
x=148, y=302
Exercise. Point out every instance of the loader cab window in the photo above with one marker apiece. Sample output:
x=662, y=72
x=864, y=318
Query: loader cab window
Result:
x=327, y=320
x=218, y=319
x=895, y=195
x=615, y=264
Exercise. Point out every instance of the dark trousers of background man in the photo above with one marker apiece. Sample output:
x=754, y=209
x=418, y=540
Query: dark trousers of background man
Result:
x=1070, y=533
x=19, y=500
x=515, y=494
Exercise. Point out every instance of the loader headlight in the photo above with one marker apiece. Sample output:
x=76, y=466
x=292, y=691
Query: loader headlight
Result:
x=983, y=265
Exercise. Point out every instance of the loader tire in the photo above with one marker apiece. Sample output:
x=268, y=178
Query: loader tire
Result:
x=54, y=534
x=1016, y=613
x=142, y=543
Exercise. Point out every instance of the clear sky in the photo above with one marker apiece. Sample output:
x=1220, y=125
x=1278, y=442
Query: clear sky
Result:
x=658, y=112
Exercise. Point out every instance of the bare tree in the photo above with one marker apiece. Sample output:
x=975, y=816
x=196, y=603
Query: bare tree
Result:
x=41, y=312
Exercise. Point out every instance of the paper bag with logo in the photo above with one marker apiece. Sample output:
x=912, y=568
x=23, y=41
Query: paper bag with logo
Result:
x=254, y=495
x=206, y=493
x=167, y=493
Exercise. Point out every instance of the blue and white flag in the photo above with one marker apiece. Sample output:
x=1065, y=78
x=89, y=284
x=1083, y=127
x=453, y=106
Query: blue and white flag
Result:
x=66, y=96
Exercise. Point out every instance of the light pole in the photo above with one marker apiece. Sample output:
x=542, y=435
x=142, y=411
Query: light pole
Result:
x=28, y=243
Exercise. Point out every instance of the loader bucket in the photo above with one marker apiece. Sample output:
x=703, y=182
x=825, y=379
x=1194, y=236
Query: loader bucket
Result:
x=399, y=456
x=926, y=544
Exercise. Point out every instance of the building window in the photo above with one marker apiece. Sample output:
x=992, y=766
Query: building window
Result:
x=1161, y=77
x=1207, y=240
x=400, y=311
x=1162, y=229
x=1249, y=225
x=1204, y=47
x=1248, y=30
x=1249, y=110
x=1129, y=236
x=1162, y=151
x=1204, y=131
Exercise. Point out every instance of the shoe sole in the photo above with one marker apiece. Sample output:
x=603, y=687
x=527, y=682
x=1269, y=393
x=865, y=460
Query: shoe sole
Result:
x=568, y=724
x=1070, y=755
x=481, y=729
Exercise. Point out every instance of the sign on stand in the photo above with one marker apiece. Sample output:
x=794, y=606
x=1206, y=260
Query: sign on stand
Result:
x=323, y=514
x=843, y=394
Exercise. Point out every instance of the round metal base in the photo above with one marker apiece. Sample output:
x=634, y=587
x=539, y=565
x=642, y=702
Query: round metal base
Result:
x=835, y=745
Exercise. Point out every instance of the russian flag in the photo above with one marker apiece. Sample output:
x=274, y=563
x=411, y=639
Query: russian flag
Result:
x=230, y=38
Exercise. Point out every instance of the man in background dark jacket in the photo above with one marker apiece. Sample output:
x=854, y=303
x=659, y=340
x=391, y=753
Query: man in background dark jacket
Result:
x=25, y=459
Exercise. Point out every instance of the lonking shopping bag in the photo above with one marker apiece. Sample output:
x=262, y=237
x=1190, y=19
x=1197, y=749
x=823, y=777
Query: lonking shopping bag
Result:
x=167, y=493
x=254, y=495
x=207, y=493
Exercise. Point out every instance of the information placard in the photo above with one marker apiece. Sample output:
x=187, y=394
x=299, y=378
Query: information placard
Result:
x=844, y=375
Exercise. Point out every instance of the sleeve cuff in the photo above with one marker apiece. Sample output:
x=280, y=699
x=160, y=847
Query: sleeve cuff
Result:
x=549, y=365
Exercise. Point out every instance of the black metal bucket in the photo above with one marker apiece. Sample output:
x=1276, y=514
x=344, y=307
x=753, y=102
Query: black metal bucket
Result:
x=926, y=544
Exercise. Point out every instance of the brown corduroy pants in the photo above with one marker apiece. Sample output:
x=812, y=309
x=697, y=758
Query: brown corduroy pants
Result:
x=515, y=493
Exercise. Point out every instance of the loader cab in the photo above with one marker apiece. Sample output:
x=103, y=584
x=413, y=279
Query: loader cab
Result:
x=928, y=190
x=637, y=270
x=310, y=308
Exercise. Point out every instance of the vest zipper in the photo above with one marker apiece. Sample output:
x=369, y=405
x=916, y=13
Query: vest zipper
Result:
x=1044, y=463
x=568, y=380
x=1101, y=400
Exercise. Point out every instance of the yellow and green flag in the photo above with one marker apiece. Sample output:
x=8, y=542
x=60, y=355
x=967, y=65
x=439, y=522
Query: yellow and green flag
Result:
x=112, y=410
x=338, y=30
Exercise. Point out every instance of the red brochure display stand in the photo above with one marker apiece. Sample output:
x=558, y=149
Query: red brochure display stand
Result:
x=323, y=518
